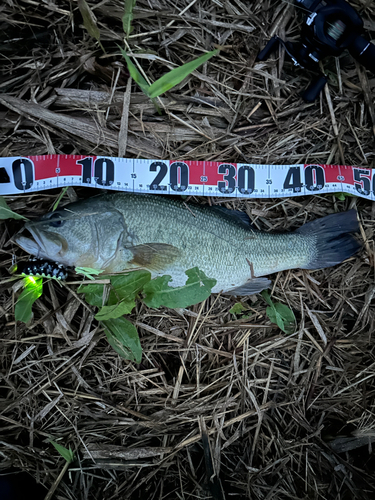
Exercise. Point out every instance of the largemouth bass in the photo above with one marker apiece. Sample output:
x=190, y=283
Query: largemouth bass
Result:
x=120, y=231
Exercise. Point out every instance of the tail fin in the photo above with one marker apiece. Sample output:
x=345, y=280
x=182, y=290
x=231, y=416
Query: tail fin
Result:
x=334, y=241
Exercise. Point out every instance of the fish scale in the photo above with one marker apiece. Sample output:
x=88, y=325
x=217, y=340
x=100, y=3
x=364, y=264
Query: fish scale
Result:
x=218, y=246
x=122, y=231
x=205, y=241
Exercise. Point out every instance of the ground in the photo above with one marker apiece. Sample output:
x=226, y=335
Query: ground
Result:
x=221, y=406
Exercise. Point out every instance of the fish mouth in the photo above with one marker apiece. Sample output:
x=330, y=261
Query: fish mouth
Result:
x=39, y=244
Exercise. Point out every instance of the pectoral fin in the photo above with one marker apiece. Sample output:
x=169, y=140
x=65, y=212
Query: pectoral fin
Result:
x=251, y=287
x=154, y=256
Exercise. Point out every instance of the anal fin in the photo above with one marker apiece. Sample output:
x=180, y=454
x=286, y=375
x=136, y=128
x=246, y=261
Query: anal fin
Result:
x=255, y=285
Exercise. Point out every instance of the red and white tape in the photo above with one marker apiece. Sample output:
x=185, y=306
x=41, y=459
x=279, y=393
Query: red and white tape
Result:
x=28, y=174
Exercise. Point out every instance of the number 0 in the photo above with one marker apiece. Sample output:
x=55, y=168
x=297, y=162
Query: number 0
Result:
x=23, y=173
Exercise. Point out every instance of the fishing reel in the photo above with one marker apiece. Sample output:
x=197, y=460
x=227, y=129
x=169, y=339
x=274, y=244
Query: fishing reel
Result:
x=330, y=27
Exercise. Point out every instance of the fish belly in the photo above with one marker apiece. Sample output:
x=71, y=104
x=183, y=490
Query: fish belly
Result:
x=221, y=249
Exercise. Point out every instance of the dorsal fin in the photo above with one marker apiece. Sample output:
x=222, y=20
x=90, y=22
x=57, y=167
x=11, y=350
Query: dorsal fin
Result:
x=234, y=216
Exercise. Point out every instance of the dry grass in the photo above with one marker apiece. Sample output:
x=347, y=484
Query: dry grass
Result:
x=268, y=416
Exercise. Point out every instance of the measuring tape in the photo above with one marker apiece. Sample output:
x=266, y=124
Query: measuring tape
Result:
x=29, y=174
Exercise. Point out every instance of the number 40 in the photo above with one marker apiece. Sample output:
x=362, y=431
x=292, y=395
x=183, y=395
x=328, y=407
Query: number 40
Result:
x=314, y=178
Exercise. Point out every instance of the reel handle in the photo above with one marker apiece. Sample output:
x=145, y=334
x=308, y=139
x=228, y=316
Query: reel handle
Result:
x=268, y=49
x=364, y=52
x=314, y=89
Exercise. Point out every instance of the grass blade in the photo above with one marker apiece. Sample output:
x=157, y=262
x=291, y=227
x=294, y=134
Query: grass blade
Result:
x=89, y=19
x=127, y=18
x=176, y=76
x=63, y=191
x=135, y=74
x=7, y=213
x=64, y=452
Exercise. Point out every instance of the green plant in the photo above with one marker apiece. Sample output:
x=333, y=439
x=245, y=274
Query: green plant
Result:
x=127, y=18
x=170, y=79
x=115, y=296
x=163, y=84
x=342, y=196
x=118, y=298
x=239, y=310
x=7, y=213
x=280, y=314
x=89, y=21
x=66, y=453
x=33, y=289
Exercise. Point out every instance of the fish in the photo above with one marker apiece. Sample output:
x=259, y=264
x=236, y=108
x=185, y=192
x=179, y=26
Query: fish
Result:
x=116, y=232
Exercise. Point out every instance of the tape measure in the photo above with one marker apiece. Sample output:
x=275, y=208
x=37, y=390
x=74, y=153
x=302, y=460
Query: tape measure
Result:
x=29, y=174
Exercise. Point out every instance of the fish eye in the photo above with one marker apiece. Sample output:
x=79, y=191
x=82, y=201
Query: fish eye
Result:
x=56, y=221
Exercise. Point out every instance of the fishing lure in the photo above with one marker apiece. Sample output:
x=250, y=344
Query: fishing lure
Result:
x=42, y=268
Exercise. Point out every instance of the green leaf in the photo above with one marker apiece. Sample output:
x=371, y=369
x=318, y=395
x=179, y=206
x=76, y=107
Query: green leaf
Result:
x=342, y=196
x=274, y=317
x=267, y=298
x=127, y=286
x=66, y=453
x=174, y=77
x=88, y=272
x=332, y=77
x=135, y=74
x=238, y=308
x=116, y=310
x=32, y=291
x=197, y=288
x=280, y=314
x=7, y=213
x=93, y=293
x=89, y=19
x=123, y=337
x=285, y=312
x=127, y=18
